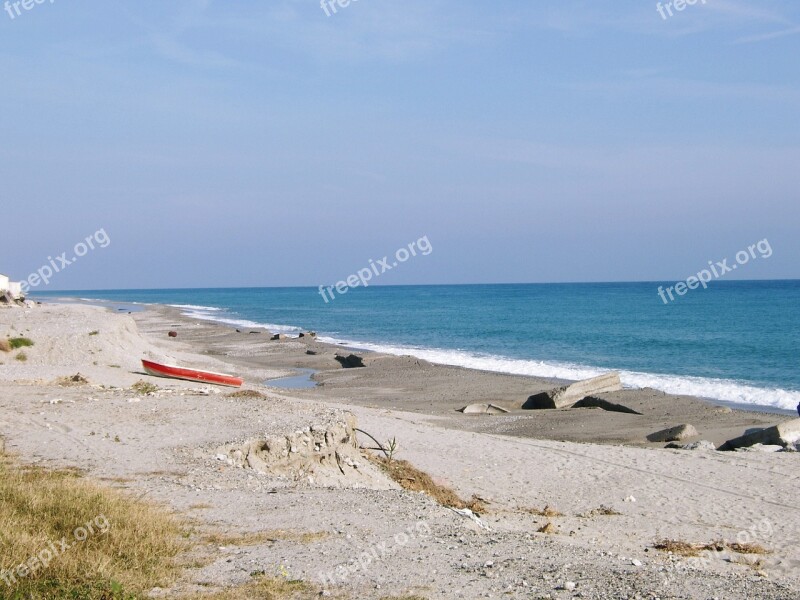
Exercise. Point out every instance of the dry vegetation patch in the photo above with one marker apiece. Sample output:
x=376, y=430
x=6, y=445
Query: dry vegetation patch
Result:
x=687, y=549
x=246, y=394
x=261, y=537
x=144, y=387
x=117, y=547
x=72, y=380
x=548, y=528
x=412, y=479
x=603, y=511
x=263, y=588
x=547, y=511
x=98, y=543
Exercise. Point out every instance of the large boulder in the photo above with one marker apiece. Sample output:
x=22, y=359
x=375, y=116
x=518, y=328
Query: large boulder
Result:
x=566, y=396
x=678, y=433
x=351, y=361
x=595, y=402
x=785, y=434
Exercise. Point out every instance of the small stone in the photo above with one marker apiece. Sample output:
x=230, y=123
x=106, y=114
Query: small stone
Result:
x=636, y=563
x=570, y=586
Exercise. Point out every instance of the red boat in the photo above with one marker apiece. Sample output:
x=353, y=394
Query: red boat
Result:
x=174, y=372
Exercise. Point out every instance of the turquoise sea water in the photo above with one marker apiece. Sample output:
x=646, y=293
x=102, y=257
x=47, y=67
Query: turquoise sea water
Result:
x=736, y=341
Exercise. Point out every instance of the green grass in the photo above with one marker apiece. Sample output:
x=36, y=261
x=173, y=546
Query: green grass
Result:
x=21, y=356
x=20, y=342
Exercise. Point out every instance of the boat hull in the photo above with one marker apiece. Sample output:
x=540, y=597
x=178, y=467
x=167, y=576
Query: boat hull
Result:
x=174, y=372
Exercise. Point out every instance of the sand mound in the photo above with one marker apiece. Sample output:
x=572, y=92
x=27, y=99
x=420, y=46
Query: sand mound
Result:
x=321, y=455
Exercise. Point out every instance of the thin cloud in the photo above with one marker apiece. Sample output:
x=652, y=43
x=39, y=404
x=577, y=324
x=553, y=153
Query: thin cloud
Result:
x=768, y=36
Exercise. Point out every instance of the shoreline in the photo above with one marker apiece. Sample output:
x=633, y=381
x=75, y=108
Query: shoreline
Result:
x=439, y=391
x=365, y=347
x=612, y=496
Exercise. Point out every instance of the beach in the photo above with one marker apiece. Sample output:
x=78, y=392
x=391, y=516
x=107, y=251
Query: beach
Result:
x=610, y=494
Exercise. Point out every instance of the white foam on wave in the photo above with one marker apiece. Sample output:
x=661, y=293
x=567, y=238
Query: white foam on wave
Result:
x=703, y=387
x=211, y=313
x=197, y=307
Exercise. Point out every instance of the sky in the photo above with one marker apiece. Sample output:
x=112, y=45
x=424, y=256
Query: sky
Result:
x=237, y=143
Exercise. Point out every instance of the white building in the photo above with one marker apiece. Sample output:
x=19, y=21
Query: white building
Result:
x=14, y=288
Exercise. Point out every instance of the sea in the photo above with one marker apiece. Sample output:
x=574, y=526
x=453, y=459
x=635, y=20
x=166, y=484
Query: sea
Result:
x=735, y=342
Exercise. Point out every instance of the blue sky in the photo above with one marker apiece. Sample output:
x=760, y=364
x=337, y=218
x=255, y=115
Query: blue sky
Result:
x=235, y=144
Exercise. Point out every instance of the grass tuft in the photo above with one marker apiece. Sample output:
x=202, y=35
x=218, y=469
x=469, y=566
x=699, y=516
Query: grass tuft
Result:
x=21, y=356
x=72, y=380
x=20, y=342
x=547, y=511
x=144, y=387
x=548, y=528
x=603, y=511
x=246, y=394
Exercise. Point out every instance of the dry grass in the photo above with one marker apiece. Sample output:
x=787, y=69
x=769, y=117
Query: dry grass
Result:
x=246, y=394
x=144, y=387
x=130, y=549
x=74, y=380
x=686, y=549
x=748, y=548
x=261, y=537
x=262, y=588
x=548, y=528
x=21, y=356
x=547, y=511
x=412, y=479
x=603, y=511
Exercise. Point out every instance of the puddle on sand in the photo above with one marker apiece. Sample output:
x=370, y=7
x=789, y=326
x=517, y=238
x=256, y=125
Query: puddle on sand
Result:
x=295, y=382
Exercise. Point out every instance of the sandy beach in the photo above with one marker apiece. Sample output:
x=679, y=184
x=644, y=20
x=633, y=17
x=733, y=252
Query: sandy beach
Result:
x=200, y=451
